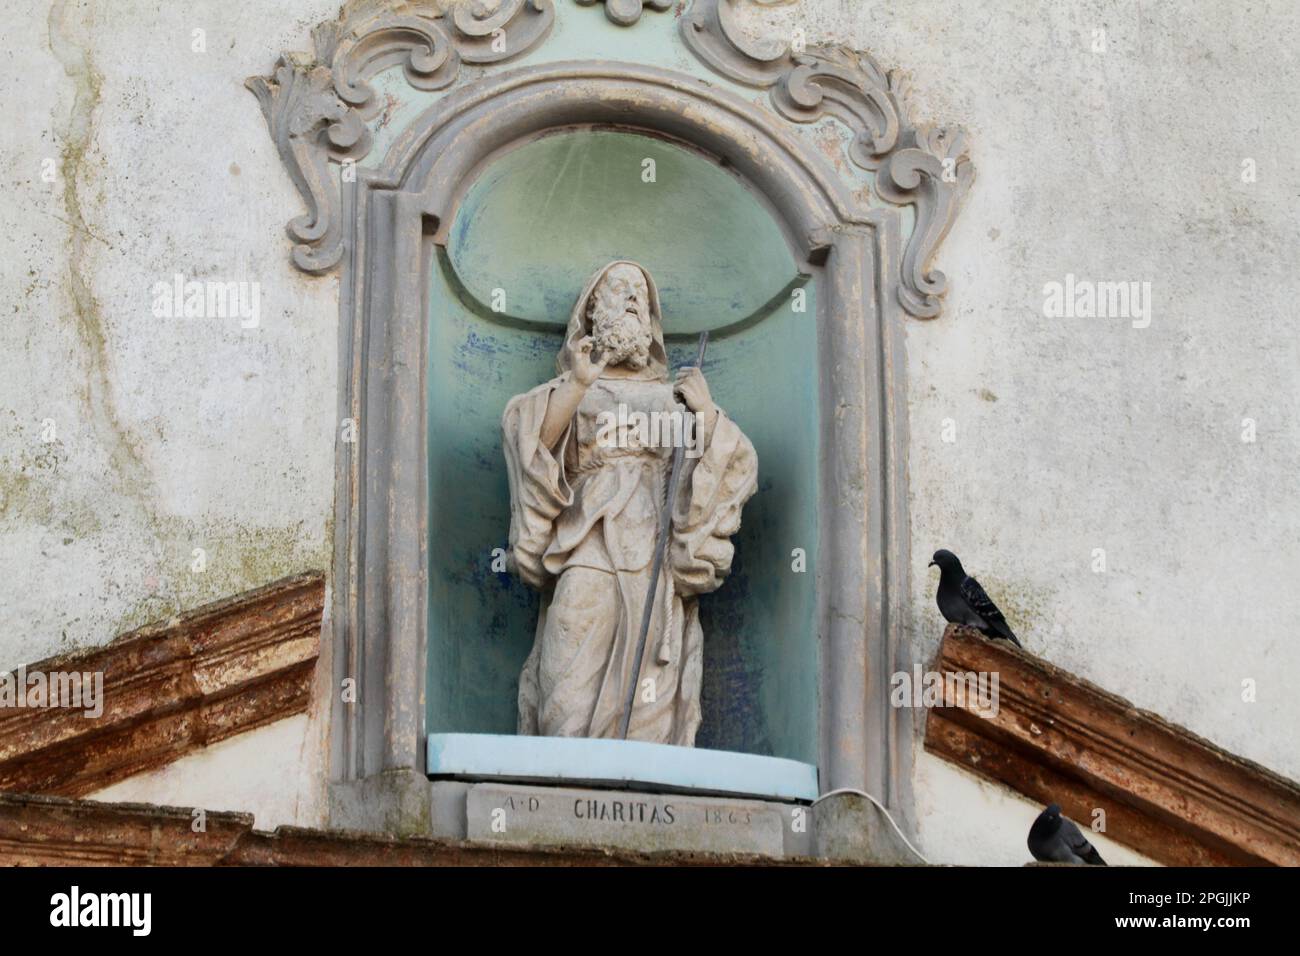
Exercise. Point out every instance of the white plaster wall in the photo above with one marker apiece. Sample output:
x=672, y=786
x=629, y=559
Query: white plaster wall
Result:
x=1082, y=434
x=964, y=820
x=171, y=434
x=261, y=772
x=1072, y=435
x=1078, y=434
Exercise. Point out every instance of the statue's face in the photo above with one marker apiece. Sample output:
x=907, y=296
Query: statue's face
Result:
x=620, y=317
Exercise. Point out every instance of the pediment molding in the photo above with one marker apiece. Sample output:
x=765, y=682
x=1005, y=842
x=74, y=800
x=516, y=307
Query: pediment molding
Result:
x=318, y=107
x=167, y=690
x=1056, y=738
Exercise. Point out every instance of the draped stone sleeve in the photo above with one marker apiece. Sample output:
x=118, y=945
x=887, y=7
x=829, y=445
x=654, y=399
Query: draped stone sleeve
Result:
x=715, y=487
x=539, y=488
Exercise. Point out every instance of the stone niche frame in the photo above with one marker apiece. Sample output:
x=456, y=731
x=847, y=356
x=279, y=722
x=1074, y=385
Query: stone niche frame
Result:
x=381, y=224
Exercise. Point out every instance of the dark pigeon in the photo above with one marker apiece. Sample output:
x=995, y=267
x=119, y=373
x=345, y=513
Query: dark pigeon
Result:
x=961, y=600
x=1054, y=839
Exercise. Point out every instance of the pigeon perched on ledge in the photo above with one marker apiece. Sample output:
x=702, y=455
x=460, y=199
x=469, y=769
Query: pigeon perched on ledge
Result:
x=1054, y=839
x=961, y=600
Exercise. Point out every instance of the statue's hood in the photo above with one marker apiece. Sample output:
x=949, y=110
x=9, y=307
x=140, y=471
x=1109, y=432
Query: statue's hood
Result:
x=579, y=328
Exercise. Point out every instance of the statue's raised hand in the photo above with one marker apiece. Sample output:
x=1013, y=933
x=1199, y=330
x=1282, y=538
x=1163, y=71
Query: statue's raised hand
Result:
x=585, y=371
x=694, y=390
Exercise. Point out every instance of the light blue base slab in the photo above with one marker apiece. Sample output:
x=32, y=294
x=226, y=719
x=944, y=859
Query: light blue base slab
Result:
x=631, y=764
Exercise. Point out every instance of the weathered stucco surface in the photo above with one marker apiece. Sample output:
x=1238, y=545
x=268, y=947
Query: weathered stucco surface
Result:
x=265, y=773
x=966, y=821
x=1075, y=434
x=1071, y=434
x=1082, y=434
x=170, y=435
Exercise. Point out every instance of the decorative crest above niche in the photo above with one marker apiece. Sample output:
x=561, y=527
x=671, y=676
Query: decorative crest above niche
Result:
x=627, y=12
x=316, y=104
x=317, y=107
x=924, y=167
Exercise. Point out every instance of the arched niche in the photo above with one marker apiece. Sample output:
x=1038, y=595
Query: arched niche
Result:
x=861, y=229
x=534, y=224
x=404, y=214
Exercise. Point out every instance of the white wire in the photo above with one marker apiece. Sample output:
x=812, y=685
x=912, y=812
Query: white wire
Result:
x=881, y=808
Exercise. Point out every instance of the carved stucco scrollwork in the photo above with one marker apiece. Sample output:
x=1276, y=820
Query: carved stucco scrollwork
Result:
x=627, y=12
x=316, y=104
x=426, y=54
x=926, y=168
x=310, y=127
x=317, y=107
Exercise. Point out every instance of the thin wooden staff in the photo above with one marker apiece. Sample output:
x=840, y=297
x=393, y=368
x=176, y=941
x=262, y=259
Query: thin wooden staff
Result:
x=665, y=524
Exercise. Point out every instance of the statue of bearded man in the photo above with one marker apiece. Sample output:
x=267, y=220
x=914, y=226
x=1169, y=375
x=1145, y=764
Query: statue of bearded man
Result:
x=586, y=493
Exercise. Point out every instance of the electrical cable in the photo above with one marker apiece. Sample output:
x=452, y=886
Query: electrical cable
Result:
x=881, y=808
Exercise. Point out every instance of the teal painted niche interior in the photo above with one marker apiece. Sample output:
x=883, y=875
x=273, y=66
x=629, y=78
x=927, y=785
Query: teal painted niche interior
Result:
x=761, y=647
x=535, y=226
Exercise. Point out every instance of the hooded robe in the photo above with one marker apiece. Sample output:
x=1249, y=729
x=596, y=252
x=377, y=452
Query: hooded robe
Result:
x=583, y=524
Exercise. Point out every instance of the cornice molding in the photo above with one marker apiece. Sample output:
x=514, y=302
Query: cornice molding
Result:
x=317, y=107
x=627, y=12
x=1167, y=793
x=54, y=831
x=169, y=689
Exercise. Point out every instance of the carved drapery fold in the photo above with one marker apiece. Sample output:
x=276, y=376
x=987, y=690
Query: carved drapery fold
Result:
x=317, y=107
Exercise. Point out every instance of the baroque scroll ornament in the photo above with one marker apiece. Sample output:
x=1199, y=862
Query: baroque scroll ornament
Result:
x=318, y=107
x=924, y=167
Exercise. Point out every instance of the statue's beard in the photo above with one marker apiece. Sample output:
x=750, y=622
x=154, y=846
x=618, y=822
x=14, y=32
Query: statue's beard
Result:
x=622, y=337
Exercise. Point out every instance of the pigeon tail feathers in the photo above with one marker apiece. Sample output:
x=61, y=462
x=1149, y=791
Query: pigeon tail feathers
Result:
x=995, y=625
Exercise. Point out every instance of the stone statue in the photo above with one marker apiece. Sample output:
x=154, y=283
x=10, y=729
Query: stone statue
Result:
x=587, y=484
